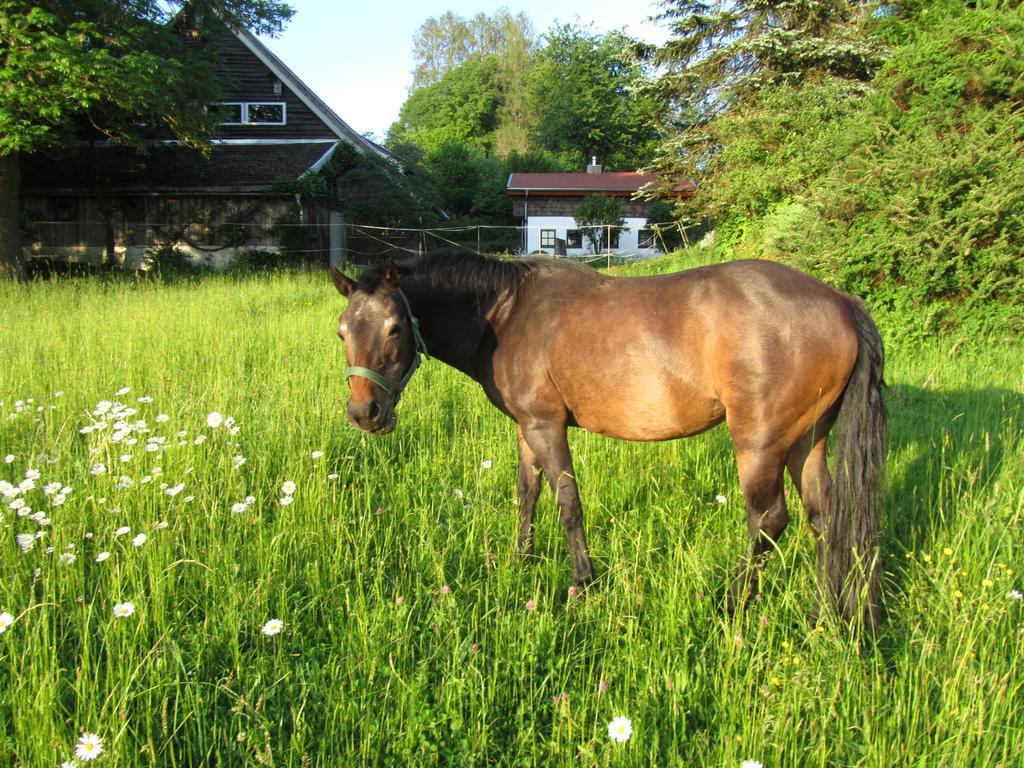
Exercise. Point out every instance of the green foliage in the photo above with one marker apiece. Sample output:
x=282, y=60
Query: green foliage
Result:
x=905, y=192
x=442, y=44
x=491, y=106
x=671, y=232
x=367, y=188
x=121, y=69
x=925, y=197
x=600, y=218
x=724, y=52
x=585, y=99
x=461, y=107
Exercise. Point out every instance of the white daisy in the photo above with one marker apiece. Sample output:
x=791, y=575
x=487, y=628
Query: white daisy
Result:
x=123, y=610
x=316, y=455
x=620, y=729
x=214, y=420
x=90, y=746
x=25, y=541
x=288, y=487
x=284, y=501
x=102, y=556
x=5, y=621
x=139, y=540
x=273, y=627
x=122, y=531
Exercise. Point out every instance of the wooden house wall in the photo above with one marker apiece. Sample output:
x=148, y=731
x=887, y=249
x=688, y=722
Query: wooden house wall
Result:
x=82, y=226
x=566, y=205
x=249, y=79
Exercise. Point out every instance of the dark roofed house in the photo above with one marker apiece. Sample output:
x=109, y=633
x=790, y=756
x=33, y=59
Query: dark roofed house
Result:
x=96, y=198
x=547, y=203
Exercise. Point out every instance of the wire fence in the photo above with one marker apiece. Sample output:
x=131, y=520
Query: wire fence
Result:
x=332, y=242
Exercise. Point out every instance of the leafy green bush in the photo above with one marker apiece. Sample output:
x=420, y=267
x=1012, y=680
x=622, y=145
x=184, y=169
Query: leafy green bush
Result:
x=909, y=194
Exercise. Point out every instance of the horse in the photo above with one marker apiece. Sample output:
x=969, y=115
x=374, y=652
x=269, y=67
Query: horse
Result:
x=779, y=356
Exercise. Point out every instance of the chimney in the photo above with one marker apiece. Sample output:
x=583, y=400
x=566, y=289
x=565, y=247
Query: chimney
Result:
x=593, y=167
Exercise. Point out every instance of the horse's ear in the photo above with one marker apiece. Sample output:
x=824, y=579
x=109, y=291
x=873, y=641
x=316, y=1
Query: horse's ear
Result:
x=389, y=278
x=343, y=284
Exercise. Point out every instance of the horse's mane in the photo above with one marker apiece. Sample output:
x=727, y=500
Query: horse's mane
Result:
x=457, y=270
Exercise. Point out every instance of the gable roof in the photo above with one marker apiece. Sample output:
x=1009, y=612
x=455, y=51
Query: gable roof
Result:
x=616, y=183
x=289, y=79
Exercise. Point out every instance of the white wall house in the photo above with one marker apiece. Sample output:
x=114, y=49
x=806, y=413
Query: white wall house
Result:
x=547, y=203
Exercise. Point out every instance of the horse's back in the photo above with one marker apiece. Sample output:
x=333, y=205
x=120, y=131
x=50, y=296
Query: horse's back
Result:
x=666, y=356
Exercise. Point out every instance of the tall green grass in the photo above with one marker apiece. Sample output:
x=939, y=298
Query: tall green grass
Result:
x=376, y=664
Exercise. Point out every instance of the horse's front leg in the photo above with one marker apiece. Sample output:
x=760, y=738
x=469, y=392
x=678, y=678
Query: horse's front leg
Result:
x=550, y=447
x=528, y=490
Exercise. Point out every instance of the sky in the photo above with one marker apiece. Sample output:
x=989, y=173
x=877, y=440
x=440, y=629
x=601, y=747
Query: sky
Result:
x=356, y=55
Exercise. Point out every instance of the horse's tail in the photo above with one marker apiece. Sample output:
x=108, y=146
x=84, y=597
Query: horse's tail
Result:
x=853, y=564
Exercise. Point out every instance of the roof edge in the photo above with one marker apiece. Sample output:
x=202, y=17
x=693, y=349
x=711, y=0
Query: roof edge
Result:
x=305, y=93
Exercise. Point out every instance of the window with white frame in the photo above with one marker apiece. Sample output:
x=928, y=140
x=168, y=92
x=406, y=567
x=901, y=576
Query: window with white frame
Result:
x=253, y=113
x=547, y=238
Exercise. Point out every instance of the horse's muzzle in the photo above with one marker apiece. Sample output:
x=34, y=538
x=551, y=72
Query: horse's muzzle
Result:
x=371, y=416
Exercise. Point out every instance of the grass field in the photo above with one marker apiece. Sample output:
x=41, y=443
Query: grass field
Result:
x=412, y=634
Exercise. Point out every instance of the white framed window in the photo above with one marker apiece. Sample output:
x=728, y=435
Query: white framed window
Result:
x=253, y=113
x=547, y=238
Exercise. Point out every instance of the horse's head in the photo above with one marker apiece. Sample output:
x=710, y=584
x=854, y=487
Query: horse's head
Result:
x=382, y=346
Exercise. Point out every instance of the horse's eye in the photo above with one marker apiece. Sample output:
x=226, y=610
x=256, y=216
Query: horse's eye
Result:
x=395, y=331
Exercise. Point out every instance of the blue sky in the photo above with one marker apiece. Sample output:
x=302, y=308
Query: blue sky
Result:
x=357, y=56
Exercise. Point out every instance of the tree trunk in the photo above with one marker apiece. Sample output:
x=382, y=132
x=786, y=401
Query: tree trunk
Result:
x=12, y=261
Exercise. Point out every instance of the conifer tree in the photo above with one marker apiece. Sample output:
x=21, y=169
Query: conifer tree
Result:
x=723, y=53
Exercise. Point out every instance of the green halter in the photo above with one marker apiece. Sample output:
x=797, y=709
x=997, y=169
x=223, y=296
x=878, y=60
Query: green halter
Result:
x=421, y=351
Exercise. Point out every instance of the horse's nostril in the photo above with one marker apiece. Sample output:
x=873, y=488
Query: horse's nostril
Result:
x=374, y=411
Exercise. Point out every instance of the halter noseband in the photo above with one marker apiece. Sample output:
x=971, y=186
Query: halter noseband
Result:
x=394, y=391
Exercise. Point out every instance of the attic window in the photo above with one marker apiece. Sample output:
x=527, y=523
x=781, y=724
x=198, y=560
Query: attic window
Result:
x=253, y=113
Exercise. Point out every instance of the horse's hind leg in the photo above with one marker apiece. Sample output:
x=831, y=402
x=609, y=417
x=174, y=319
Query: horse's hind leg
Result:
x=760, y=474
x=528, y=487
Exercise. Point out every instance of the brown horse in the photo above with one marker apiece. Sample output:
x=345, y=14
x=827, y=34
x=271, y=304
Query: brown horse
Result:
x=777, y=355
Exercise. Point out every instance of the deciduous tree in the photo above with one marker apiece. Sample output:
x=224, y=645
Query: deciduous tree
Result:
x=600, y=219
x=125, y=72
x=586, y=98
x=444, y=43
